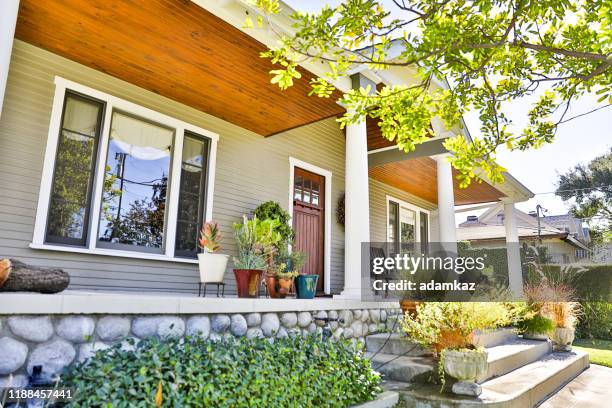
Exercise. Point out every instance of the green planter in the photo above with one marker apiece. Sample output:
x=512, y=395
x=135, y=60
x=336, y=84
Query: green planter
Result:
x=306, y=286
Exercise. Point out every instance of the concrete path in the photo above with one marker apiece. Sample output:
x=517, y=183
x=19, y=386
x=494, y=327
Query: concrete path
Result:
x=591, y=389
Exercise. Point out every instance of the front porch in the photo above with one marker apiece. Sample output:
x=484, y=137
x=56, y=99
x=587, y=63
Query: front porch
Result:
x=202, y=86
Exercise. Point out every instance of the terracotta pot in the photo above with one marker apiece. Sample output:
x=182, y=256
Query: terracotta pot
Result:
x=285, y=285
x=562, y=338
x=465, y=365
x=248, y=282
x=271, y=285
x=409, y=307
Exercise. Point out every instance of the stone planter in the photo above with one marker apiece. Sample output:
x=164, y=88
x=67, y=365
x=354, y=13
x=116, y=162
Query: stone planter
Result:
x=562, y=338
x=466, y=366
x=535, y=336
x=212, y=267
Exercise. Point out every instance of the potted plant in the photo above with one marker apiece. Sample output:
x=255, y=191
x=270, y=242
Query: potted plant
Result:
x=536, y=327
x=306, y=285
x=255, y=240
x=212, y=265
x=564, y=316
x=450, y=328
x=290, y=264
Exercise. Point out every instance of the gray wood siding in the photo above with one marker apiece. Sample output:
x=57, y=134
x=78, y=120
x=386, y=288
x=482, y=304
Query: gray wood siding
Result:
x=250, y=169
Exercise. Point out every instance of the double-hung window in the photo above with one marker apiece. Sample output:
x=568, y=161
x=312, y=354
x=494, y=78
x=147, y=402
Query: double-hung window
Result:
x=407, y=226
x=120, y=179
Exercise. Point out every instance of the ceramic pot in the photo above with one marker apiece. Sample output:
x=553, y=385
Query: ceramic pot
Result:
x=306, y=286
x=212, y=267
x=284, y=286
x=271, y=285
x=465, y=365
x=563, y=337
x=248, y=282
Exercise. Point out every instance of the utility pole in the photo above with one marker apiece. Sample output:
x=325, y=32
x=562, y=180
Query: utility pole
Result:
x=120, y=171
x=540, y=209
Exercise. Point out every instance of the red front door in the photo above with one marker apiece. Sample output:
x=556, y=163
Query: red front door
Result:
x=309, y=220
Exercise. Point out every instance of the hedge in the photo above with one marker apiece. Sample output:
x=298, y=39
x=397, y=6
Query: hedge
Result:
x=291, y=372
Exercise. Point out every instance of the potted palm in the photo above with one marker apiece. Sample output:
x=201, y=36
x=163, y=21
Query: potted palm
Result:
x=255, y=240
x=212, y=265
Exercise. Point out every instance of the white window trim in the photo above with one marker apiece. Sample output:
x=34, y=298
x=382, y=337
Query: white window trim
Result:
x=115, y=103
x=293, y=163
x=417, y=211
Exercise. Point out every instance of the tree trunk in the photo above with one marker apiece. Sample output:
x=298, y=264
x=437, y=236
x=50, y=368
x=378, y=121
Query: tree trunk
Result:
x=19, y=277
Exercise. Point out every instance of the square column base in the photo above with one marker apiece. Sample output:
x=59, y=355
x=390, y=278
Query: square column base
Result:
x=349, y=294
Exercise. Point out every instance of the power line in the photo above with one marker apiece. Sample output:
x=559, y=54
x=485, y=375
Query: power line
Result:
x=605, y=188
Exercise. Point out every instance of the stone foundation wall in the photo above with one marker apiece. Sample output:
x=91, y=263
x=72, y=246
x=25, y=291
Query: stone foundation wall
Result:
x=56, y=341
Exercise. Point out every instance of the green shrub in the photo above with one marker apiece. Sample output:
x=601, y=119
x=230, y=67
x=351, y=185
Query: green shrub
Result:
x=273, y=211
x=536, y=324
x=595, y=321
x=299, y=372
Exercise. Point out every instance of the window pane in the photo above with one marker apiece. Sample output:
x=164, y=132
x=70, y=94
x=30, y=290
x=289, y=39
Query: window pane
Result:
x=192, y=195
x=135, y=185
x=424, y=228
x=73, y=174
x=297, y=192
x=392, y=222
x=307, y=187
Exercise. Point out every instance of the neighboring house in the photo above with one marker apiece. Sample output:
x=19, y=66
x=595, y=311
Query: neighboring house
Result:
x=125, y=125
x=564, y=236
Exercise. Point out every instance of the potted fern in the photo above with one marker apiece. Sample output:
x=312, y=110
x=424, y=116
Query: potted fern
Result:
x=212, y=265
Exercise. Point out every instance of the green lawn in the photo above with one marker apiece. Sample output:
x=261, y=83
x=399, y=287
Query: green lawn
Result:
x=600, y=351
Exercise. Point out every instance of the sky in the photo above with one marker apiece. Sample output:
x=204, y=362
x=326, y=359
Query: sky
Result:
x=577, y=141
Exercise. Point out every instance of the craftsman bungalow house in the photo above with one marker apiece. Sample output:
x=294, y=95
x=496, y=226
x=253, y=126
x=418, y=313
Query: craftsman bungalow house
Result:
x=125, y=124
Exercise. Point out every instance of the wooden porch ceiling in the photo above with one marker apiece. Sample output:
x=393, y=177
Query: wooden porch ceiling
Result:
x=178, y=50
x=419, y=177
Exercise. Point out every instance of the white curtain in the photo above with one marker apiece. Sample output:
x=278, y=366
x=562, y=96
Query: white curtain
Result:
x=140, y=139
x=81, y=116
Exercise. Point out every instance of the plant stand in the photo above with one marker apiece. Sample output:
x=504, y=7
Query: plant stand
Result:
x=212, y=283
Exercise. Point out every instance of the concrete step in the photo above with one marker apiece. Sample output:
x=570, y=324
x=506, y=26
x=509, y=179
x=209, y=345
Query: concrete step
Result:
x=394, y=343
x=524, y=387
x=492, y=338
x=399, y=368
x=513, y=354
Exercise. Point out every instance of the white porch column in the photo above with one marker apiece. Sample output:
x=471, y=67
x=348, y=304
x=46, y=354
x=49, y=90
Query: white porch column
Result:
x=356, y=207
x=8, y=20
x=446, y=201
x=515, y=274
